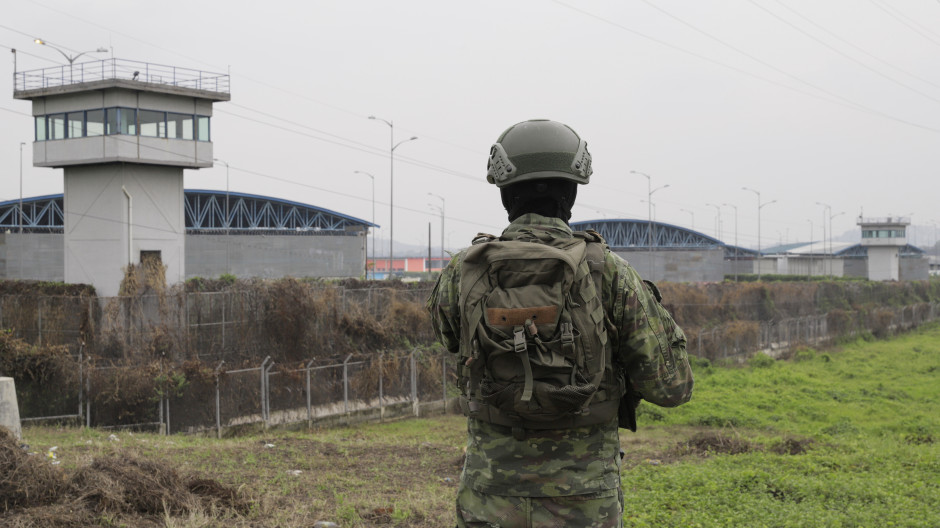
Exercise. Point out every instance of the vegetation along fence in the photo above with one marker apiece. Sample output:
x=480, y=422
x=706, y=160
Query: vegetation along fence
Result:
x=292, y=352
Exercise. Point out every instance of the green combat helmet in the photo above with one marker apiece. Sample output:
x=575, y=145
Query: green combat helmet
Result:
x=538, y=149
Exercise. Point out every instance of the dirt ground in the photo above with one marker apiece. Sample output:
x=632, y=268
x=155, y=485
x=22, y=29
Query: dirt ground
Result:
x=287, y=480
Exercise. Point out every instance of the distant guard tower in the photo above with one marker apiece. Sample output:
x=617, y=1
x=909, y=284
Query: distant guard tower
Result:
x=123, y=131
x=882, y=237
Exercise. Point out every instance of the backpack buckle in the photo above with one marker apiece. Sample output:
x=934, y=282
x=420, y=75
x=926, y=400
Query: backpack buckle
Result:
x=518, y=342
x=567, y=333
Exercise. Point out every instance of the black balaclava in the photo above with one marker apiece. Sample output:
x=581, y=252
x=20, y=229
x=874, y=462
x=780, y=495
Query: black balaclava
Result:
x=550, y=197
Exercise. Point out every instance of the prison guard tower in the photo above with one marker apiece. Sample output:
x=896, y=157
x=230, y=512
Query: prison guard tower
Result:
x=123, y=131
x=883, y=237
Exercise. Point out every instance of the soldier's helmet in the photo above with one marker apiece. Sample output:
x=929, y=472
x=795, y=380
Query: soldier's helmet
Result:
x=538, y=149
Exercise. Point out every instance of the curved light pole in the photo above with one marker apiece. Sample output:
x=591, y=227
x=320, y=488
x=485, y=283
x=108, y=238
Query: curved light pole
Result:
x=649, y=224
x=70, y=58
x=21, y=189
x=691, y=214
x=831, y=252
x=810, y=273
x=829, y=208
x=371, y=177
x=735, y=207
x=759, y=207
x=391, y=174
x=227, y=222
x=443, y=204
x=717, y=220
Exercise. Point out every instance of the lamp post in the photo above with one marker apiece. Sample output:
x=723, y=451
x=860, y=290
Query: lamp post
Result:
x=717, y=220
x=649, y=224
x=21, y=187
x=759, y=207
x=70, y=58
x=831, y=252
x=825, y=207
x=226, y=221
x=443, y=204
x=371, y=177
x=391, y=175
x=735, y=207
x=810, y=247
x=691, y=214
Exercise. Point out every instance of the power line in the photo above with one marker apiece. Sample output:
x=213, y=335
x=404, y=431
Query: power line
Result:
x=854, y=46
x=848, y=103
x=853, y=59
x=900, y=17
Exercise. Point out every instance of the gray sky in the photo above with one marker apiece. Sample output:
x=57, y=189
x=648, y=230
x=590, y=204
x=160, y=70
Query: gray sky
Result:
x=806, y=101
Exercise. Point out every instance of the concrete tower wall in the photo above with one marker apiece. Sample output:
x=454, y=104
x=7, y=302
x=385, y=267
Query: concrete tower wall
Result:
x=104, y=229
x=882, y=263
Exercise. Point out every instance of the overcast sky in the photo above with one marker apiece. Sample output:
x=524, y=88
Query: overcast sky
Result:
x=805, y=101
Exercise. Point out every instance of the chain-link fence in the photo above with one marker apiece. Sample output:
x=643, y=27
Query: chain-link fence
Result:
x=192, y=361
x=268, y=394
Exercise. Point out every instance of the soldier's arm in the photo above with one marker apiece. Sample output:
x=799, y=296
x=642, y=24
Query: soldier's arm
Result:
x=649, y=345
x=443, y=307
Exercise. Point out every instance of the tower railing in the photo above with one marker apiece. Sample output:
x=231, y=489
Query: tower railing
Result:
x=120, y=69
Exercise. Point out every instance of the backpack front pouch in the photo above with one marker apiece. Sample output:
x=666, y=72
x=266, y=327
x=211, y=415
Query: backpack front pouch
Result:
x=557, y=386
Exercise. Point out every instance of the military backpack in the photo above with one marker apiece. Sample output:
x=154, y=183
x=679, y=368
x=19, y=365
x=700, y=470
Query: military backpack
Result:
x=534, y=347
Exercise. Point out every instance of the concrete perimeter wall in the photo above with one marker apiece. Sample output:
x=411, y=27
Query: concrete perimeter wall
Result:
x=705, y=265
x=32, y=256
x=274, y=256
x=40, y=256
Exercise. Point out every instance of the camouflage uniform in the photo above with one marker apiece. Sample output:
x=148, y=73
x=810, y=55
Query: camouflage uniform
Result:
x=567, y=477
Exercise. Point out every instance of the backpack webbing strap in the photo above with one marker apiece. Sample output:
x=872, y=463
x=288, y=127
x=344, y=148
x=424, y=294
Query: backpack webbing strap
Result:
x=520, y=348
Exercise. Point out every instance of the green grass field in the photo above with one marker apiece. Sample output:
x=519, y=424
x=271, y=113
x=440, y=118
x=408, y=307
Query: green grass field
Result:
x=841, y=438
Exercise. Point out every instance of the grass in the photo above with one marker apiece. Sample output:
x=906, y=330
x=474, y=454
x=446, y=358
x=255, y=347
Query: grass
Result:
x=842, y=438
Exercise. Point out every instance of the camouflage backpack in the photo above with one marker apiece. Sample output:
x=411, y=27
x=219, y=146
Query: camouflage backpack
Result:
x=534, y=350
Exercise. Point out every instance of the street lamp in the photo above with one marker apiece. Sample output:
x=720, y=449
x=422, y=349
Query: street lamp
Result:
x=831, y=252
x=649, y=224
x=21, y=188
x=391, y=202
x=810, y=247
x=717, y=220
x=759, y=207
x=226, y=221
x=735, y=207
x=371, y=177
x=825, y=207
x=70, y=58
x=443, y=204
x=691, y=214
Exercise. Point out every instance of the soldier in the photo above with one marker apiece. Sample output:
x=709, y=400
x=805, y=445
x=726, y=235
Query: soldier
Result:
x=558, y=339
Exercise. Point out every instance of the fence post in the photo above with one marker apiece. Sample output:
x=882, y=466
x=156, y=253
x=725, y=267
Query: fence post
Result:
x=167, y=414
x=309, y=407
x=81, y=379
x=88, y=400
x=444, y=375
x=381, y=379
x=39, y=311
x=346, y=383
x=267, y=390
x=218, y=400
x=414, y=381
x=263, y=392
x=223, y=325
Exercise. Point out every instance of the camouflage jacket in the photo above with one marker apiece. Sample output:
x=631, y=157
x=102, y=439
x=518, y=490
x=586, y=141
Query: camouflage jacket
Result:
x=646, y=343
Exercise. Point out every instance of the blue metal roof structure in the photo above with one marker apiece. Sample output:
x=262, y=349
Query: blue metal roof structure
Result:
x=860, y=251
x=205, y=212
x=635, y=234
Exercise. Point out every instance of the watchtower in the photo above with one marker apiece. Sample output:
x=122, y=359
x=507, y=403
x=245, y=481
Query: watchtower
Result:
x=882, y=237
x=122, y=131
